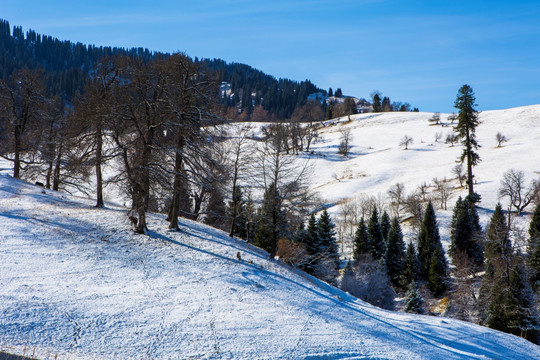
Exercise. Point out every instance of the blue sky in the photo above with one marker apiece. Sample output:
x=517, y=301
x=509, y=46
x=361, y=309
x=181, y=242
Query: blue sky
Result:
x=420, y=52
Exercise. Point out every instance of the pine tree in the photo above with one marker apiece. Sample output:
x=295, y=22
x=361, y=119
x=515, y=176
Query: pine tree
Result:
x=361, y=241
x=385, y=224
x=427, y=240
x=466, y=127
x=327, y=236
x=348, y=281
x=395, y=253
x=438, y=272
x=375, y=236
x=300, y=234
x=240, y=224
x=376, y=103
x=313, y=244
x=498, y=242
x=410, y=267
x=272, y=222
x=464, y=233
x=413, y=302
x=498, y=254
x=511, y=308
x=533, y=250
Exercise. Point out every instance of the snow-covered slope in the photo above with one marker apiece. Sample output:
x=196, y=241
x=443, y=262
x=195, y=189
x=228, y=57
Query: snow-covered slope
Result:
x=377, y=161
x=77, y=283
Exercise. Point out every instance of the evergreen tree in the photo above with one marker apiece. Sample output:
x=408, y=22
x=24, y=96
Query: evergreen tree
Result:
x=533, y=250
x=395, y=253
x=330, y=92
x=240, y=224
x=327, y=236
x=272, y=221
x=498, y=257
x=438, y=271
x=376, y=103
x=313, y=244
x=385, y=224
x=511, y=308
x=330, y=111
x=498, y=242
x=348, y=281
x=464, y=233
x=410, y=267
x=466, y=127
x=375, y=235
x=301, y=234
x=413, y=302
x=427, y=240
x=339, y=93
x=361, y=241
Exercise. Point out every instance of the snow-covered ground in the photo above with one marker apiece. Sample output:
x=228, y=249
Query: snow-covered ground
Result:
x=77, y=283
x=377, y=161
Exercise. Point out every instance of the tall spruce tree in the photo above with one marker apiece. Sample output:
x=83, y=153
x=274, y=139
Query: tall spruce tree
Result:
x=438, y=271
x=511, y=307
x=466, y=127
x=533, y=250
x=313, y=244
x=272, y=222
x=427, y=240
x=498, y=257
x=498, y=240
x=386, y=223
x=361, y=241
x=411, y=266
x=375, y=235
x=395, y=253
x=327, y=235
x=465, y=238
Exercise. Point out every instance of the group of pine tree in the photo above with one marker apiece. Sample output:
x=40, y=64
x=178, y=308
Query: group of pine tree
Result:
x=152, y=115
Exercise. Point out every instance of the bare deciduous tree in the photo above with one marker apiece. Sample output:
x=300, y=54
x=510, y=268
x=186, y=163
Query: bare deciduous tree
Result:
x=345, y=144
x=443, y=188
x=406, y=140
x=396, y=193
x=459, y=173
x=451, y=139
x=22, y=107
x=500, y=139
x=435, y=119
x=513, y=187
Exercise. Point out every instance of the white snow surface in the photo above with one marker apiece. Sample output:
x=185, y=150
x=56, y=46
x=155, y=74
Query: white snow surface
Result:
x=77, y=283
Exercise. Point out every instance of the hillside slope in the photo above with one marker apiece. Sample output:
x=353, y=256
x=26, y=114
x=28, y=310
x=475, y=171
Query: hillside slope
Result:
x=377, y=161
x=76, y=282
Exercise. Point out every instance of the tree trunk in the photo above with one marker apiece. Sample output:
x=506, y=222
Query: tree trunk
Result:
x=99, y=160
x=177, y=186
x=56, y=176
x=17, y=160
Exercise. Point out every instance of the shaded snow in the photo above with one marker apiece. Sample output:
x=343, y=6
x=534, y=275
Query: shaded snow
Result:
x=78, y=283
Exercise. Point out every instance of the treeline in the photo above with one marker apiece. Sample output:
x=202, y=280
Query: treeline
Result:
x=254, y=95
x=66, y=64
x=252, y=88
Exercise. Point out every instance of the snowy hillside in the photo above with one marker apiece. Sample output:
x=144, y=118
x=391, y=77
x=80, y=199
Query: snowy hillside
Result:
x=377, y=161
x=77, y=283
